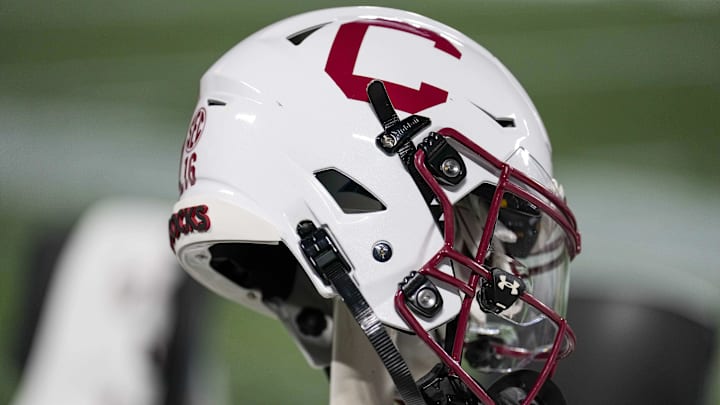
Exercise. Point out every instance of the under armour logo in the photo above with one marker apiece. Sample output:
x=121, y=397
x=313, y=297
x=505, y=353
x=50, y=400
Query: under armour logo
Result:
x=514, y=286
x=501, y=292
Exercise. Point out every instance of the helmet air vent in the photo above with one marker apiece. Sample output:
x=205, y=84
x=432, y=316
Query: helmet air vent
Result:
x=215, y=102
x=505, y=122
x=348, y=194
x=301, y=35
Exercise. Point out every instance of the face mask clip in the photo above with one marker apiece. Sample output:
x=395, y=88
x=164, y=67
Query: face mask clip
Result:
x=422, y=295
x=443, y=161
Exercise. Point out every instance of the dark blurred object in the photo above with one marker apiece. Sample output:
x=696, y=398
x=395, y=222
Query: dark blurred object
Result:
x=635, y=353
x=183, y=347
x=35, y=281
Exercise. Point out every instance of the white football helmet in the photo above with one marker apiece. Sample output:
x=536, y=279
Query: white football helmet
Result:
x=386, y=158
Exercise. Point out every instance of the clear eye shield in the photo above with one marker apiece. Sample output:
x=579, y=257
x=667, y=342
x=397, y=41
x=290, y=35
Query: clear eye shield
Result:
x=529, y=245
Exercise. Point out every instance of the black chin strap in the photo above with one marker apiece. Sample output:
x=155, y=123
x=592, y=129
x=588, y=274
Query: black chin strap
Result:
x=321, y=251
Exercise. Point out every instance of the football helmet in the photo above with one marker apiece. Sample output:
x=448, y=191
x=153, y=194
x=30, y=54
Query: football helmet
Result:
x=383, y=157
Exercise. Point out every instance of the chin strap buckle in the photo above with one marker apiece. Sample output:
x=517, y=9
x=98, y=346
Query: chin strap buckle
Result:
x=320, y=249
x=501, y=292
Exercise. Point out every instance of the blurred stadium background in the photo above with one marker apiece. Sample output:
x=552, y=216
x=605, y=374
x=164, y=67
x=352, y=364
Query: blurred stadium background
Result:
x=95, y=98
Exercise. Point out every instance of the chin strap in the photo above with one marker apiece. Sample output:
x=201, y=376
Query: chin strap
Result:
x=323, y=254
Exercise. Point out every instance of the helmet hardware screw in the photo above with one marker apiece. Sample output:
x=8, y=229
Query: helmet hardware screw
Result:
x=382, y=251
x=311, y=322
x=423, y=296
x=443, y=161
x=427, y=298
x=451, y=168
x=388, y=141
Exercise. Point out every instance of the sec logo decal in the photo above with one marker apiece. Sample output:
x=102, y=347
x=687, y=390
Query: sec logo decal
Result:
x=188, y=160
x=195, y=130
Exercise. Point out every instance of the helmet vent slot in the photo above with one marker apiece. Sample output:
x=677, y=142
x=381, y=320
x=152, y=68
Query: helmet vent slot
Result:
x=215, y=102
x=348, y=194
x=505, y=122
x=301, y=35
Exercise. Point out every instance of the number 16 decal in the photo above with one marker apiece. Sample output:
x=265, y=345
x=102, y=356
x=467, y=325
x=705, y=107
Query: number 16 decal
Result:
x=187, y=177
x=187, y=163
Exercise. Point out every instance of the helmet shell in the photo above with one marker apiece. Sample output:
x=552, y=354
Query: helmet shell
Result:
x=288, y=102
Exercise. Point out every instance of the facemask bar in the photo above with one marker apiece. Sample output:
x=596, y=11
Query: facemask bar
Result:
x=516, y=182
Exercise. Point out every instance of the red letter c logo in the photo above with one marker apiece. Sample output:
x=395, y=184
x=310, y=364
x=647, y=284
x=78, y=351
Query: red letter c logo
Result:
x=343, y=56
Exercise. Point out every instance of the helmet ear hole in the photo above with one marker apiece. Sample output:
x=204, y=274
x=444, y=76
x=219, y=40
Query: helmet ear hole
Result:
x=267, y=268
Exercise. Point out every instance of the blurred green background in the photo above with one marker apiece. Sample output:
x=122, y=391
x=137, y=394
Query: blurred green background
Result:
x=95, y=97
